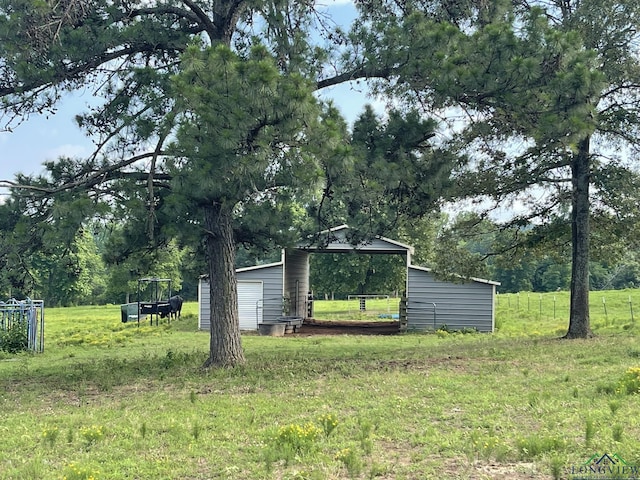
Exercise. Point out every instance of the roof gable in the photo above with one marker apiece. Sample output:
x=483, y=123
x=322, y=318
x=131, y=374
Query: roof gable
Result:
x=338, y=243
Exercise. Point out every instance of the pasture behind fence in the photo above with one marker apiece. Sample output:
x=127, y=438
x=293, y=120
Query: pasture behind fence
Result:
x=22, y=325
x=605, y=307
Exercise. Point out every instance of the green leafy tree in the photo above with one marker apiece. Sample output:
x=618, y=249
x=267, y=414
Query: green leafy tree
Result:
x=17, y=233
x=223, y=184
x=240, y=162
x=208, y=107
x=542, y=98
x=397, y=174
x=70, y=274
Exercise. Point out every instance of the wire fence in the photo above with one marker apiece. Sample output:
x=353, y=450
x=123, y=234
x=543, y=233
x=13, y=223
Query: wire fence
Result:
x=604, y=306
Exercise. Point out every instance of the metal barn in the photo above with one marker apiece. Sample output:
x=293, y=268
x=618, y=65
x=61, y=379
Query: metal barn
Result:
x=268, y=292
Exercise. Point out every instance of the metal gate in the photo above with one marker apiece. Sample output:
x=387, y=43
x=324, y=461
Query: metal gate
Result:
x=22, y=325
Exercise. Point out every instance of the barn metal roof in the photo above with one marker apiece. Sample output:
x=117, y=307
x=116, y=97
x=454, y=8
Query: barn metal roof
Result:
x=472, y=279
x=339, y=244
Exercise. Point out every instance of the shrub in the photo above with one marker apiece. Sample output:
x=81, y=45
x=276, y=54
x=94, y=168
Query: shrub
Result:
x=92, y=434
x=351, y=460
x=50, y=435
x=14, y=339
x=75, y=472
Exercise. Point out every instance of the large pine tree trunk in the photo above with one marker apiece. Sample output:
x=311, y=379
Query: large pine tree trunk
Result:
x=579, y=326
x=225, y=348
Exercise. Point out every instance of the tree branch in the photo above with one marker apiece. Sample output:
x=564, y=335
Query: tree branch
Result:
x=355, y=74
x=203, y=19
x=110, y=172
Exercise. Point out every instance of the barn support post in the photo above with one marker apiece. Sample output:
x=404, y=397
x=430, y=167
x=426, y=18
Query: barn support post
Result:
x=402, y=314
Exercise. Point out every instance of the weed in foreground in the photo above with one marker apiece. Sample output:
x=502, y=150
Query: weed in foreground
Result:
x=352, y=461
x=92, y=435
x=300, y=438
x=614, y=406
x=328, y=422
x=304, y=475
x=76, y=472
x=488, y=448
x=608, y=388
x=534, y=446
x=617, y=433
x=630, y=381
x=50, y=435
x=196, y=430
x=291, y=443
x=556, y=465
x=364, y=435
x=589, y=431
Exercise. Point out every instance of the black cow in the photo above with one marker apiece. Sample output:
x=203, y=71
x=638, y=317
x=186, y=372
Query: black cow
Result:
x=176, y=306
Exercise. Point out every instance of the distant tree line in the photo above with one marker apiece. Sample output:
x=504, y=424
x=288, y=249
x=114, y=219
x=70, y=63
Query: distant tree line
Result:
x=541, y=270
x=102, y=261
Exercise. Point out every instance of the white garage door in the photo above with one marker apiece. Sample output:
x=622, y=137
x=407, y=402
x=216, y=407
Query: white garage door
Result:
x=249, y=304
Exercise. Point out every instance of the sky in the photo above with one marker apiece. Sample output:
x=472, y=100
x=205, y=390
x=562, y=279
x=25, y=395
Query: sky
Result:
x=47, y=137
x=42, y=138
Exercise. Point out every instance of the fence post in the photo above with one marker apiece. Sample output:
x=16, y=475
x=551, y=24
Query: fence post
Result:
x=540, y=308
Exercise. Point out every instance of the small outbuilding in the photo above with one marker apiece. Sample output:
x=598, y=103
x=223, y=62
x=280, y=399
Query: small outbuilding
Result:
x=267, y=293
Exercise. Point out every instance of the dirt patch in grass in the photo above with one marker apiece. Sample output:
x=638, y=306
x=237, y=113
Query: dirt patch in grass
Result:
x=490, y=470
x=330, y=327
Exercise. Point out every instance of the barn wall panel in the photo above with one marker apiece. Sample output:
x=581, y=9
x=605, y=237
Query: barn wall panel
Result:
x=250, y=299
x=204, y=305
x=433, y=303
x=271, y=278
x=270, y=308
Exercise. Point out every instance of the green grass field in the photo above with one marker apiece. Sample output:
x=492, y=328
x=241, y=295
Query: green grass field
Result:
x=107, y=400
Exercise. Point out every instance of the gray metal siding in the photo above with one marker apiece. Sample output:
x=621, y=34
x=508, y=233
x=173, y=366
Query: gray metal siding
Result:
x=250, y=298
x=204, y=305
x=376, y=245
x=272, y=278
x=296, y=281
x=457, y=305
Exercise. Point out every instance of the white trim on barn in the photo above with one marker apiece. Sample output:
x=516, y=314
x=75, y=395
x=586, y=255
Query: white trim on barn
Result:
x=250, y=295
